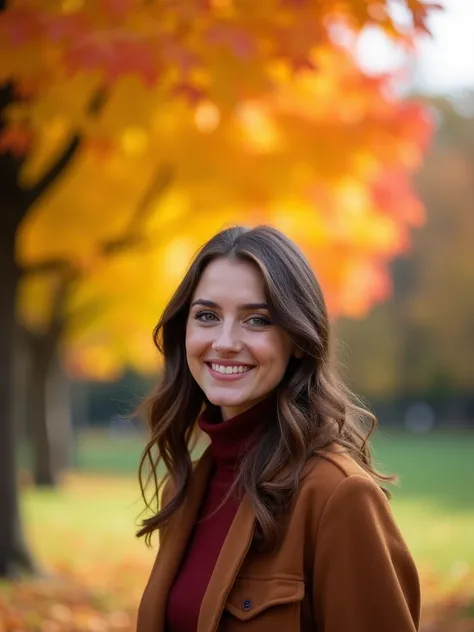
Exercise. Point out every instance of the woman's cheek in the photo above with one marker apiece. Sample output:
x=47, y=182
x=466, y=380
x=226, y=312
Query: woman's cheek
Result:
x=192, y=351
x=195, y=339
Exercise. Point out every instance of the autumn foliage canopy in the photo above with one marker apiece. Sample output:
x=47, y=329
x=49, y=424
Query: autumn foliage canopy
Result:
x=192, y=114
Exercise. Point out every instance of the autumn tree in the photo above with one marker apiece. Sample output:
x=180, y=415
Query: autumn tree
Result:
x=255, y=111
x=439, y=304
x=14, y=203
x=345, y=159
x=420, y=342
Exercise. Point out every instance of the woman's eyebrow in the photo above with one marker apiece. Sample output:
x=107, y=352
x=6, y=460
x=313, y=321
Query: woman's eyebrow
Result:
x=254, y=306
x=212, y=304
x=203, y=301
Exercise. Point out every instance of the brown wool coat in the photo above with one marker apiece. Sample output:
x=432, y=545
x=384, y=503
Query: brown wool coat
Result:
x=342, y=566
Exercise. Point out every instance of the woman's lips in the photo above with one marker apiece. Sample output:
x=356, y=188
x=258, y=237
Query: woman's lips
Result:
x=228, y=377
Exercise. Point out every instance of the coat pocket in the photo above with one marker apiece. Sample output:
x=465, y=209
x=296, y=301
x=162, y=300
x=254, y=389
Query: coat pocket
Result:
x=263, y=605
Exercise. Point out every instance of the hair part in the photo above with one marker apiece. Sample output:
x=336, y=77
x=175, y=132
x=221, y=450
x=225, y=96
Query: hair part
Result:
x=315, y=410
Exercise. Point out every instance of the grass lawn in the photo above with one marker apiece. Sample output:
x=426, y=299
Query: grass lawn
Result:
x=85, y=531
x=433, y=502
x=87, y=527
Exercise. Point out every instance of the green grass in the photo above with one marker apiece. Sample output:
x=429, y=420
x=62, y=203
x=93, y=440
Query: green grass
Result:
x=438, y=467
x=85, y=532
x=433, y=503
x=434, y=500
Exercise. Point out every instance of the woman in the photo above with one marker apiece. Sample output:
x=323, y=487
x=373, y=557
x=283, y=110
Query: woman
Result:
x=281, y=524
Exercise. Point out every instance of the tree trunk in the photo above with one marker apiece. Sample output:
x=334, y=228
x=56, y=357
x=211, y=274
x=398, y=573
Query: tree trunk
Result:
x=14, y=204
x=20, y=381
x=44, y=468
x=14, y=555
x=59, y=400
x=49, y=414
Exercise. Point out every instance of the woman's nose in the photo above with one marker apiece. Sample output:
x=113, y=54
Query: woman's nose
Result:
x=227, y=341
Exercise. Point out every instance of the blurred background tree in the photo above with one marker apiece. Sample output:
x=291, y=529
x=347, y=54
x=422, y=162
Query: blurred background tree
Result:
x=131, y=131
x=153, y=99
x=418, y=344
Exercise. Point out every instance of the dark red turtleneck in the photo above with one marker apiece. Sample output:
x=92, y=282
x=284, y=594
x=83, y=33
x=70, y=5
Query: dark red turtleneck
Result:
x=228, y=440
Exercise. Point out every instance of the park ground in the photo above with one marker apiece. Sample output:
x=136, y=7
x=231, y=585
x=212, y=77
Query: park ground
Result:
x=95, y=569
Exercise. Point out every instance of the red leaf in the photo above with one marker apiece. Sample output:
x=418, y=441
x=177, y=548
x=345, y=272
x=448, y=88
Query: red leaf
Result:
x=192, y=94
x=15, y=140
x=174, y=53
x=115, y=55
x=117, y=8
x=393, y=194
x=19, y=26
x=64, y=27
x=236, y=40
x=22, y=26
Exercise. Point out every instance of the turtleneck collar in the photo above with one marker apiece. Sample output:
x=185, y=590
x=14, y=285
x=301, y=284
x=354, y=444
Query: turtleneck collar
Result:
x=229, y=438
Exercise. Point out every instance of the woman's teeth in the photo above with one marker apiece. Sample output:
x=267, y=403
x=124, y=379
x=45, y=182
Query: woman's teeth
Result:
x=230, y=369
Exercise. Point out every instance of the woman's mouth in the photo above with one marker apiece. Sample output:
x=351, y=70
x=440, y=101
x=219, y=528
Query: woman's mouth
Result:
x=228, y=371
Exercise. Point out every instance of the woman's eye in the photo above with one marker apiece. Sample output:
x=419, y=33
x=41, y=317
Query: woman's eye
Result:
x=205, y=317
x=259, y=321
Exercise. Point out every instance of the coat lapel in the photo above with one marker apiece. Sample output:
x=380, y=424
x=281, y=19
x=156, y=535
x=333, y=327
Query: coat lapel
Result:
x=233, y=552
x=152, y=610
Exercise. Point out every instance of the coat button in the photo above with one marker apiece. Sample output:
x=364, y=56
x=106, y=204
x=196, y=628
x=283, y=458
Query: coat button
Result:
x=247, y=604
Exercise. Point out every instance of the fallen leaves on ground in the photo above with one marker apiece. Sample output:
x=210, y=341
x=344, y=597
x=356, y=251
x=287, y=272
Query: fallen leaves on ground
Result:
x=95, y=570
x=62, y=604
x=59, y=605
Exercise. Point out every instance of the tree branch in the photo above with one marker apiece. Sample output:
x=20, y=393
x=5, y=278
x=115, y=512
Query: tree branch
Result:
x=130, y=237
x=58, y=317
x=133, y=235
x=95, y=106
x=70, y=275
x=50, y=176
x=48, y=266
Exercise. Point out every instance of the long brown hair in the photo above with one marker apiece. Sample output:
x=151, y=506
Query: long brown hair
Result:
x=315, y=411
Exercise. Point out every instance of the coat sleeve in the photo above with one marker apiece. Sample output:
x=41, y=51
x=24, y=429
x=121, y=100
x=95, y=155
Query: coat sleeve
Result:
x=364, y=579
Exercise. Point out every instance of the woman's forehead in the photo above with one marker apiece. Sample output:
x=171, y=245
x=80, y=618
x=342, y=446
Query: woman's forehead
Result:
x=234, y=281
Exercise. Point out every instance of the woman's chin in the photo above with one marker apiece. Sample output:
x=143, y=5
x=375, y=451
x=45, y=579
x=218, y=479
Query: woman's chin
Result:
x=226, y=401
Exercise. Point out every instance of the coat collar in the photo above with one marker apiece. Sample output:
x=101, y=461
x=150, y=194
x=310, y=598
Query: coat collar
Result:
x=232, y=554
x=152, y=611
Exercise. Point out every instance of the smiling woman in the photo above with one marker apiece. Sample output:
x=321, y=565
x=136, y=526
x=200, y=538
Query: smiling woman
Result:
x=282, y=518
x=235, y=352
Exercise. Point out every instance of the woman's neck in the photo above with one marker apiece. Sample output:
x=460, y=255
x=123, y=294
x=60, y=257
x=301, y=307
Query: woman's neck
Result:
x=230, y=437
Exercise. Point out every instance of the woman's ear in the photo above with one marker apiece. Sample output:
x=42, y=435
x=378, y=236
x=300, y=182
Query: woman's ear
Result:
x=298, y=353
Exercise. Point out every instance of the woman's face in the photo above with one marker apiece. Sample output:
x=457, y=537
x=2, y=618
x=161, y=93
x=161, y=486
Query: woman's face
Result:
x=234, y=351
